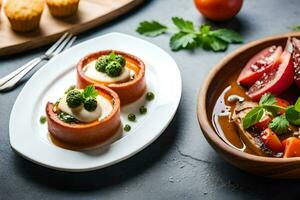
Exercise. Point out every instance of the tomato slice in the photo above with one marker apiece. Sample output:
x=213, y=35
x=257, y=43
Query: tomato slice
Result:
x=278, y=79
x=258, y=65
x=296, y=60
x=263, y=123
x=272, y=142
x=282, y=103
x=291, y=147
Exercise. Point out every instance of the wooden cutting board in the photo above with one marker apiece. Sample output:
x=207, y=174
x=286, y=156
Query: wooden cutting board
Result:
x=91, y=13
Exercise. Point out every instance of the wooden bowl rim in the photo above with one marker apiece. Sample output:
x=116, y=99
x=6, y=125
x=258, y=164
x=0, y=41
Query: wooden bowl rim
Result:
x=208, y=131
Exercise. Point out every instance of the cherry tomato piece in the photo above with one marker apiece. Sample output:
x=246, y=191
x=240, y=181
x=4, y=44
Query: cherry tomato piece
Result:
x=270, y=139
x=264, y=123
x=291, y=147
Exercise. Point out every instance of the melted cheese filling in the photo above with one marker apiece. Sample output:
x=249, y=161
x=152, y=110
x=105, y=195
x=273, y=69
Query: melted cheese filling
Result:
x=91, y=72
x=104, y=108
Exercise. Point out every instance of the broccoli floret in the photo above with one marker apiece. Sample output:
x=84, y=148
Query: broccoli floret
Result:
x=74, y=98
x=102, y=63
x=113, y=69
x=120, y=59
x=90, y=104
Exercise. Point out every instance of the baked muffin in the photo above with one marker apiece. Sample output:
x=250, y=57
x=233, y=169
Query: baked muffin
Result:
x=24, y=15
x=62, y=8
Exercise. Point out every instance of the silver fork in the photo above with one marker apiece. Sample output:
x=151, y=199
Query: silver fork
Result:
x=10, y=80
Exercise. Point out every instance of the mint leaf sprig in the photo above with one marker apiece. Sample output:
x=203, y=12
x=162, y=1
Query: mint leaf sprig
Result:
x=281, y=122
x=187, y=36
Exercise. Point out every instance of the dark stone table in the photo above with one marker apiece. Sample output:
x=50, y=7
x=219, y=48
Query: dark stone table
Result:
x=179, y=164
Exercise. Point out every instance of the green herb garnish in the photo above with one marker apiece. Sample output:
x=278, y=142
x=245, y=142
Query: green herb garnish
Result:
x=43, y=119
x=90, y=91
x=150, y=96
x=187, y=36
x=131, y=117
x=90, y=104
x=113, y=69
x=74, y=98
x=143, y=110
x=72, y=87
x=296, y=28
x=267, y=103
x=279, y=124
x=65, y=117
x=101, y=63
x=127, y=128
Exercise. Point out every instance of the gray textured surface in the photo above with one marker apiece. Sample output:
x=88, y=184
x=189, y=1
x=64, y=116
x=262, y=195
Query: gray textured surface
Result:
x=178, y=165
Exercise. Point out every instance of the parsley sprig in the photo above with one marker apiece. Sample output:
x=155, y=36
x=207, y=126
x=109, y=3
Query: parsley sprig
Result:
x=295, y=28
x=90, y=91
x=187, y=36
x=280, y=122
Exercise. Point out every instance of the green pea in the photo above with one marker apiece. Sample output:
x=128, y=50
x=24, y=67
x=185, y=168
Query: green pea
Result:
x=127, y=128
x=143, y=110
x=131, y=117
x=150, y=96
x=43, y=119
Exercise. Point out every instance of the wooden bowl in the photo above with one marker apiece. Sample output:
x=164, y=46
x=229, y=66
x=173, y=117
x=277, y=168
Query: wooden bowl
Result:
x=213, y=85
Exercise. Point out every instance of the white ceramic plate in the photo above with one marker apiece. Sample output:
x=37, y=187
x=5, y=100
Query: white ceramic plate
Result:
x=30, y=138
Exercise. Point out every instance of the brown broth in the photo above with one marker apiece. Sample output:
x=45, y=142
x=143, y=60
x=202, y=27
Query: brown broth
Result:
x=223, y=108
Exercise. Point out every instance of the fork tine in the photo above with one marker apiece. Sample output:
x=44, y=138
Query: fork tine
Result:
x=70, y=43
x=56, y=44
x=62, y=45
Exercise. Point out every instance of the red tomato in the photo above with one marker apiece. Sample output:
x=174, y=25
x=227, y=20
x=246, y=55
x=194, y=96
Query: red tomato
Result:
x=264, y=123
x=291, y=147
x=296, y=59
x=218, y=10
x=282, y=103
x=259, y=64
x=272, y=142
x=278, y=79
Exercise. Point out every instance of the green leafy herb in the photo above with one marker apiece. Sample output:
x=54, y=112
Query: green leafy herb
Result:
x=90, y=91
x=151, y=28
x=297, y=105
x=227, y=35
x=293, y=116
x=183, y=40
x=65, y=117
x=112, y=56
x=279, y=124
x=188, y=37
x=296, y=28
x=267, y=99
x=183, y=25
x=252, y=117
x=267, y=103
x=43, y=119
